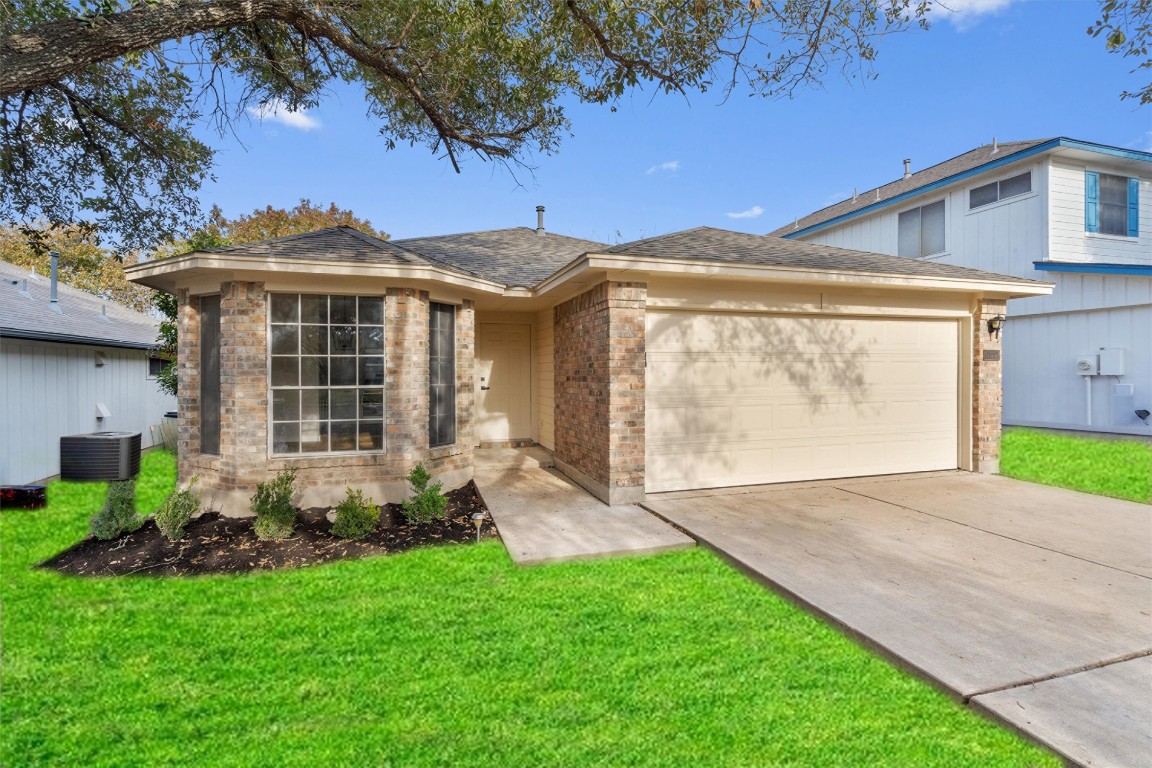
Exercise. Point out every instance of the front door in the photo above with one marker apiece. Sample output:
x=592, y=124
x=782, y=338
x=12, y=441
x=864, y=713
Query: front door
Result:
x=503, y=382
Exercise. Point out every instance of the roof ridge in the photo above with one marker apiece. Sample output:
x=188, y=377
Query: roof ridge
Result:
x=384, y=245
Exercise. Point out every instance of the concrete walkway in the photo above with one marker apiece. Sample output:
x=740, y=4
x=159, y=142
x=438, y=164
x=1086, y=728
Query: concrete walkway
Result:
x=544, y=517
x=1030, y=603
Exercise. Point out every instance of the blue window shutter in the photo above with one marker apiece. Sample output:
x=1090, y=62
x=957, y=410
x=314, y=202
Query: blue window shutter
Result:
x=1091, y=201
x=1133, y=207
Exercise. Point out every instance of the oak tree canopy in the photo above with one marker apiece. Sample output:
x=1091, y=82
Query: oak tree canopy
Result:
x=98, y=98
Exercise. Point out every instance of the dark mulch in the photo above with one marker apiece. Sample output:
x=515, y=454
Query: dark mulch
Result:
x=216, y=544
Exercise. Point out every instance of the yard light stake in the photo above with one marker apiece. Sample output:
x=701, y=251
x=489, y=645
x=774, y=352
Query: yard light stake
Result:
x=477, y=520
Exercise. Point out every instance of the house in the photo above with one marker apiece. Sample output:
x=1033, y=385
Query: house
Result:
x=1071, y=212
x=702, y=358
x=70, y=363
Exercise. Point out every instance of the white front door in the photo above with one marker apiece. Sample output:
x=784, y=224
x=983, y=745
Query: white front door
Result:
x=503, y=382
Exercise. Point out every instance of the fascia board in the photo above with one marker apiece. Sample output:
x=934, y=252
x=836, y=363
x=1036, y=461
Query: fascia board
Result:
x=624, y=264
x=233, y=263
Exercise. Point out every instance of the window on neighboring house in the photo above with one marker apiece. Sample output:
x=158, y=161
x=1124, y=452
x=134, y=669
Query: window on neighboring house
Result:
x=922, y=231
x=1000, y=190
x=156, y=366
x=1111, y=204
x=441, y=375
x=326, y=373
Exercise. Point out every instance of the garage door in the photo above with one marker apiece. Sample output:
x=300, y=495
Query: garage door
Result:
x=737, y=399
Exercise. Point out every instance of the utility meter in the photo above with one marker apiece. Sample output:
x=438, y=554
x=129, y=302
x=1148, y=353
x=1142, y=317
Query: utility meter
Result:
x=1086, y=365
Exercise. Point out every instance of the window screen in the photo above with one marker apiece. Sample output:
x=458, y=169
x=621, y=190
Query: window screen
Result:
x=326, y=373
x=442, y=375
x=1000, y=190
x=921, y=231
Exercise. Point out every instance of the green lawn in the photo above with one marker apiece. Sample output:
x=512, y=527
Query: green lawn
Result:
x=446, y=656
x=1120, y=468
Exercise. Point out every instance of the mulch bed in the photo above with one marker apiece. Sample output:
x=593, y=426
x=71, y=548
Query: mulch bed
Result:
x=216, y=544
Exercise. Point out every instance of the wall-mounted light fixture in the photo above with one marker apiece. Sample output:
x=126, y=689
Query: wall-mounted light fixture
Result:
x=994, y=325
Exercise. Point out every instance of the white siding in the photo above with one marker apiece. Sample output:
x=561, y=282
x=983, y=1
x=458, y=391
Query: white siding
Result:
x=1004, y=237
x=1069, y=241
x=545, y=380
x=50, y=390
x=1042, y=387
x=1046, y=333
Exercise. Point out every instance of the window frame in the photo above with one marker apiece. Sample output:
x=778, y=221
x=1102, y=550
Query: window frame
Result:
x=999, y=197
x=358, y=387
x=943, y=203
x=1093, y=207
x=450, y=357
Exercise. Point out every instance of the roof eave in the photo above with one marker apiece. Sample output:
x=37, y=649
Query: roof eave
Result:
x=163, y=274
x=696, y=269
x=66, y=338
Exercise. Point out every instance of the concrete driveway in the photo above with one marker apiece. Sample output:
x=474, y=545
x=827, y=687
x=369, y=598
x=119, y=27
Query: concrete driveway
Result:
x=1033, y=604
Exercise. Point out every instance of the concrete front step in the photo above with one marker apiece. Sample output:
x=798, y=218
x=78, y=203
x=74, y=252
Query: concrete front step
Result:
x=495, y=459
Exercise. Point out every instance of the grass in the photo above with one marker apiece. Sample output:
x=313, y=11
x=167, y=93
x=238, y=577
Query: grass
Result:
x=1120, y=468
x=445, y=656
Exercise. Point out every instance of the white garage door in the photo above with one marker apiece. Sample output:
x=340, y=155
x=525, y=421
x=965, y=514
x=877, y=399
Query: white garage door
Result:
x=735, y=399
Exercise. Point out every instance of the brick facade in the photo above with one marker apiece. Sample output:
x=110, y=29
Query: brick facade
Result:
x=987, y=392
x=599, y=380
x=227, y=481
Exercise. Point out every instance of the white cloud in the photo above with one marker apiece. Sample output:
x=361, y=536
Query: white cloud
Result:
x=965, y=13
x=277, y=111
x=671, y=167
x=752, y=213
x=1145, y=144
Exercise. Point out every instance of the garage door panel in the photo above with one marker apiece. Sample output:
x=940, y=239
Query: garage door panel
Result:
x=747, y=399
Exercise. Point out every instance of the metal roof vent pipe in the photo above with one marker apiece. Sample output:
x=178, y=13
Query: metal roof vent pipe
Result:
x=52, y=297
x=907, y=169
x=540, y=220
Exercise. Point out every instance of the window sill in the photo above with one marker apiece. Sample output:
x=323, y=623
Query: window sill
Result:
x=444, y=451
x=1112, y=238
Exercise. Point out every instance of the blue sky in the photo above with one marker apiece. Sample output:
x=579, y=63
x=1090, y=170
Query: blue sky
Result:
x=1011, y=69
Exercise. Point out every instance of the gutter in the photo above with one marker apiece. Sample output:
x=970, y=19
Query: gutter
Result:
x=705, y=268
x=64, y=338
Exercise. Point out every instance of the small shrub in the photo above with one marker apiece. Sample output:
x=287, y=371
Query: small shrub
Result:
x=176, y=511
x=427, y=503
x=118, y=515
x=272, y=505
x=356, y=517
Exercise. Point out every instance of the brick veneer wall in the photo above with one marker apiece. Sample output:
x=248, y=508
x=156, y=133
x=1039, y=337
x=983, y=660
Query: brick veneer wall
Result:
x=188, y=388
x=987, y=390
x=228, y=480
x=599, y=390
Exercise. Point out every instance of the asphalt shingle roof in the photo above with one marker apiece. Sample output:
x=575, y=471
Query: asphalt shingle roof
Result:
x=720, y=245
x=29, y=314
x=514, y=257
x=334, y=243
x=938, y=172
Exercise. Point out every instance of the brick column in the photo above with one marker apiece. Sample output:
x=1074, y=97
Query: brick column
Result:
x=188, y=383
x=465, y=380
x=406, y=385
x=599, y=369
x=987, y=392
x=243, y=385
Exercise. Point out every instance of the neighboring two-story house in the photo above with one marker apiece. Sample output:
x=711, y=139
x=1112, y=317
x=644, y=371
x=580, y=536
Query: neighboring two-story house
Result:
x=1070, y=212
